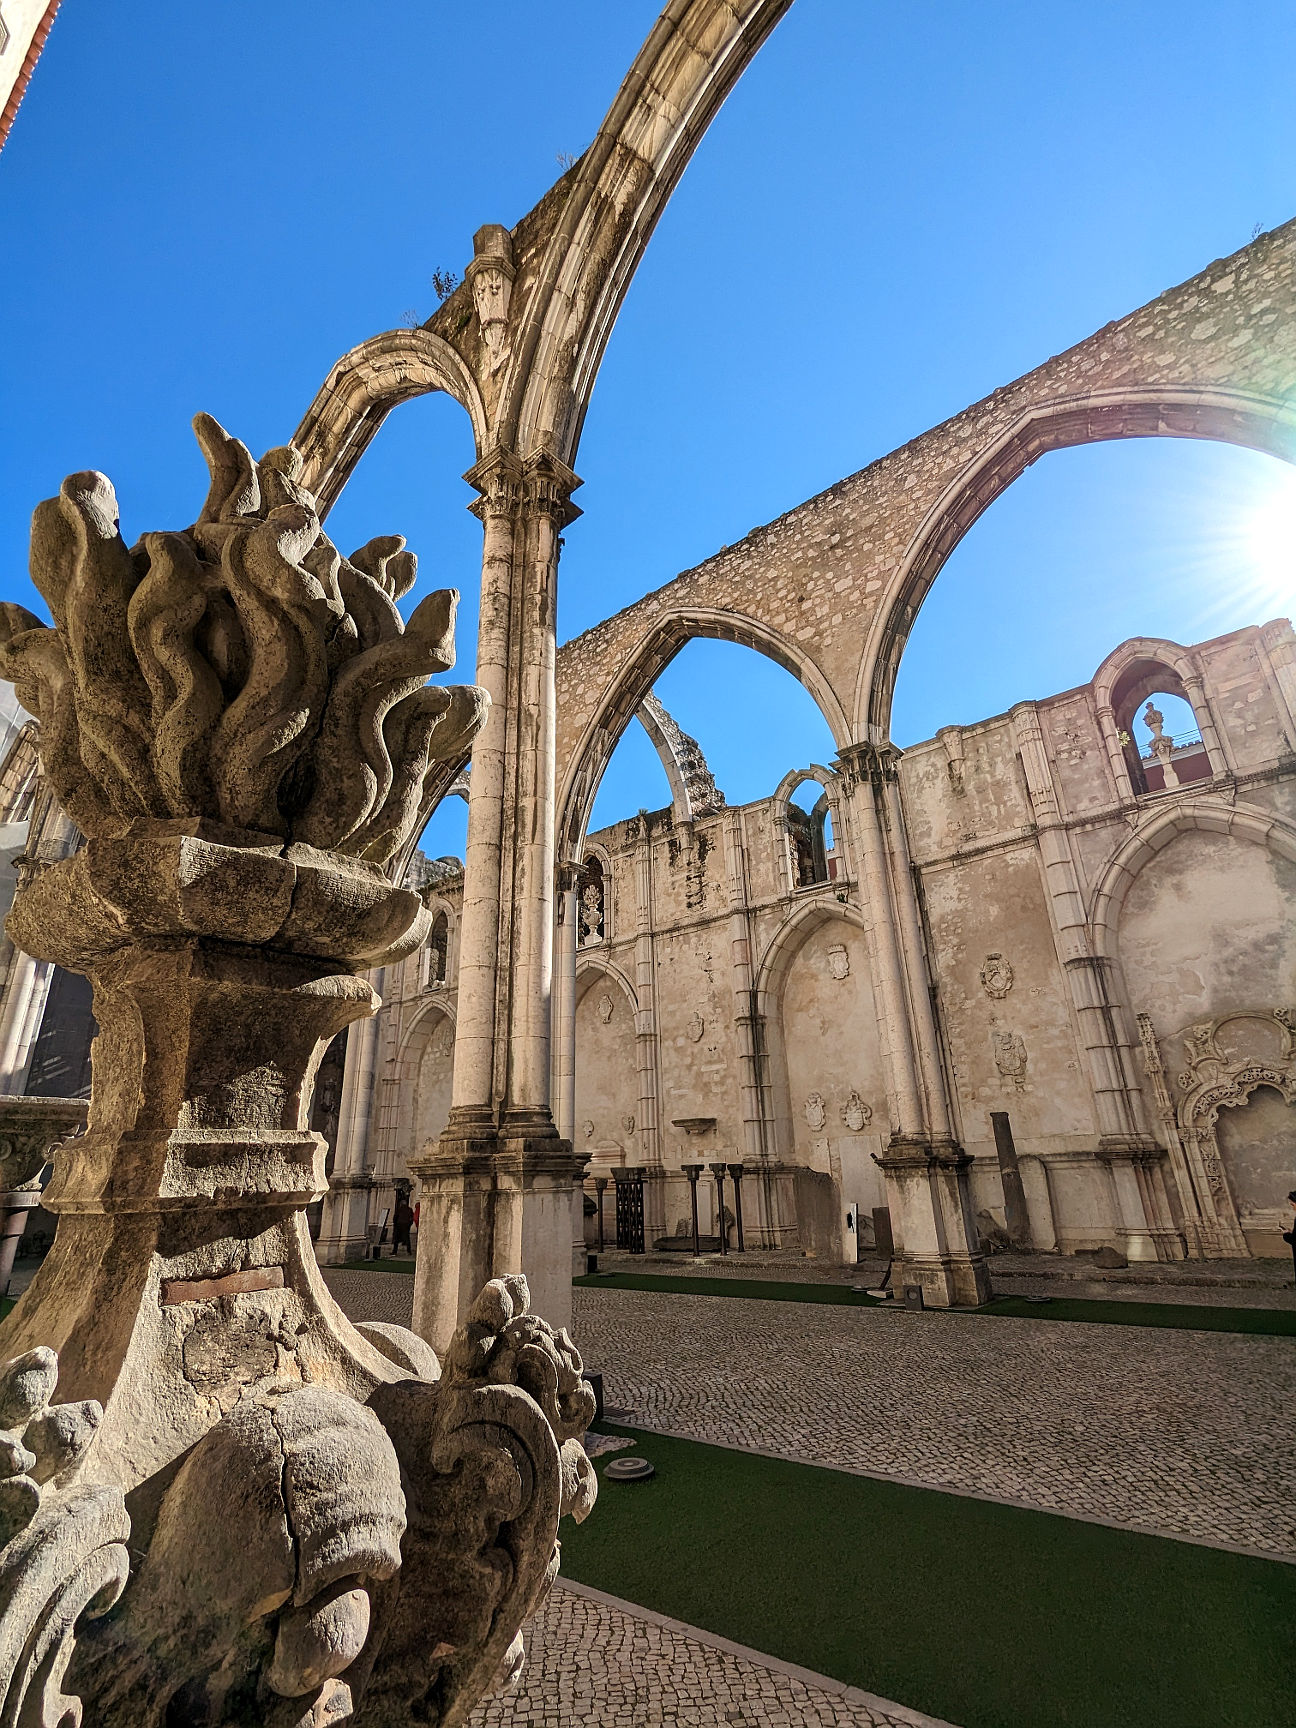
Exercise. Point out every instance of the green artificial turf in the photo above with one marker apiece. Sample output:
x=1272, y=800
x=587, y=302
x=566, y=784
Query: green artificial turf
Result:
x=406, y=1263
x=987, y=1616
x=1271, y=1322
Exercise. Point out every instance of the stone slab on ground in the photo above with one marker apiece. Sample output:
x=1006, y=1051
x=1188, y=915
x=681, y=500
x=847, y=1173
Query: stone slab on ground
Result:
x=1179, y=1432
x=595, y=1662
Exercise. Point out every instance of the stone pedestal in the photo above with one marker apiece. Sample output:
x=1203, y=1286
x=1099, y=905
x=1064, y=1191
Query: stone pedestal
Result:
x=936, y=1243
x=490, y=1207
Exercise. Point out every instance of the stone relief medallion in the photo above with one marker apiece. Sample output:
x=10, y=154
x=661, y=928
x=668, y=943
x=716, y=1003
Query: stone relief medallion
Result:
x=816, y=1113
x=996, y=975
x=1011, y=1057
x=695, y=1028
x=856, y=1114
x=628, y=1123
x=606, y=1007
x=839, y=961
x=587, y=1129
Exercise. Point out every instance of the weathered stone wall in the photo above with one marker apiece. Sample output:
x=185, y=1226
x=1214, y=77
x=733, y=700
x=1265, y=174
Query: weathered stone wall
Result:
x=1196, y=924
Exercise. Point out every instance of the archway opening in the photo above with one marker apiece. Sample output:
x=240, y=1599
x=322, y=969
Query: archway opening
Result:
x=810, y=828
x=749, y=718
x=1095, y=544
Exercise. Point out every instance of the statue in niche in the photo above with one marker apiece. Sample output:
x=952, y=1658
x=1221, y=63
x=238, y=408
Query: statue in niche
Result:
x=591, y=907
x=816, y=1112
x=996, y=975
x=1011, y=1057
x=839, y=961
x=856, y=1114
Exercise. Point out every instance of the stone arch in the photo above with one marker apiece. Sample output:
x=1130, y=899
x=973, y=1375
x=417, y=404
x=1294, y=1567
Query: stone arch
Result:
x=826, y=864
x=363, y=388
x=1253, y=420
x=1131, y=673
x=1206, y=815
x=595, y=872
x=825, y=1052
x=607, y=1088
x=693, y=56
x=639, y=670
x=692, y=784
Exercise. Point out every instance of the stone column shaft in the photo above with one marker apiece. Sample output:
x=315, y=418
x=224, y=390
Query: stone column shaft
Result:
x=564, y=1000
x=931, y=1067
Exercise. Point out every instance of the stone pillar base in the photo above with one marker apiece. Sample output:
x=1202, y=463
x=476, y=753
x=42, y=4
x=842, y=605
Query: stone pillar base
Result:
x=948, y=1280
x=491, y=1206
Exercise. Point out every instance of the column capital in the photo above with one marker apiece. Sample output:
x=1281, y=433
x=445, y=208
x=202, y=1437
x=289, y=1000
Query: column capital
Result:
x=498, y=478
x=548, y=484
x=569, y=875
x=872, y=763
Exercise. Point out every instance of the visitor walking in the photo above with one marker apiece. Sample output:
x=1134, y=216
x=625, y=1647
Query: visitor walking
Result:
x=1289, y=1236
x=402, y=1220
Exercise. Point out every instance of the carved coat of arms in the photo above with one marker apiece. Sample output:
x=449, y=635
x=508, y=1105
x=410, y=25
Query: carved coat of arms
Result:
x=839, y=961
x=695, y=1028
x=605, y=1008
x=816, y=1112
x=856, y=1114
x=996, y=975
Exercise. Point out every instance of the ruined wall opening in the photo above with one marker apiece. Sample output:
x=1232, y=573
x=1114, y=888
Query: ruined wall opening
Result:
x=747, y=718
x=810, y=833
x=1158, y=728
x=1145, y=536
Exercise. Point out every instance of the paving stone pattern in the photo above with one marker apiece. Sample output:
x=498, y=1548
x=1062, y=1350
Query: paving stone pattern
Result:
x=592, y=1666
x=1188, y=1433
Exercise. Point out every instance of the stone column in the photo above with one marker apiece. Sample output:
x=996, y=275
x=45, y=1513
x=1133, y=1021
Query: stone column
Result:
x=26, y=993
x=497, y=1188
x=344, y=1225
x=1118, y=1099
x=564, y=1000
x=647, y=1047
x=925, y=1170
x=30, y=1129
x=747, y=1018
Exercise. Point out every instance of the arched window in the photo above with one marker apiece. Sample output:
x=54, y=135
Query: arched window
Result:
x=438, y=950
x=1158, y=729
x=810, y=829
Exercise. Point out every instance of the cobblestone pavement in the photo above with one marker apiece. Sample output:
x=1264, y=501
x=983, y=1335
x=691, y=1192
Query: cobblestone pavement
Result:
x=1187, y=1433
x=591, y=1666
x=373, y=1295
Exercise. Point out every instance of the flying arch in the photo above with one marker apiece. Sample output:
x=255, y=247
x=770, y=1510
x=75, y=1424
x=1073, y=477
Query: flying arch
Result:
x=639, y=666
x=1252, y=420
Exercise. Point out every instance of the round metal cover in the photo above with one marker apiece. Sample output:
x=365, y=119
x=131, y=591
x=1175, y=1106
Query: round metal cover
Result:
x=628, y=1470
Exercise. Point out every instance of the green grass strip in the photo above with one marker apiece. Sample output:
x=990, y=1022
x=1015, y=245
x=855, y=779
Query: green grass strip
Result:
x=987, y=1616
x=1267, y=1322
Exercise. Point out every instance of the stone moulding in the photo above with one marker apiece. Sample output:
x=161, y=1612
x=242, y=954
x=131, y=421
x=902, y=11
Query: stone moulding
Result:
x=245, y=1509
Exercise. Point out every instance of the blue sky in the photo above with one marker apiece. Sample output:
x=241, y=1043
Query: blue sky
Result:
x=898, y=209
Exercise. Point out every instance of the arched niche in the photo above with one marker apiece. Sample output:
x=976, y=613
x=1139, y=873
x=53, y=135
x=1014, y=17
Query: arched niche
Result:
x=828, y=1085
x=423, y=1084
x=809, y=803
x=608, y=1107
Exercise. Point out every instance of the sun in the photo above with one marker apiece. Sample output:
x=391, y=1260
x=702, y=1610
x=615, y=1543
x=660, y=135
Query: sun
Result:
x=1269, y=538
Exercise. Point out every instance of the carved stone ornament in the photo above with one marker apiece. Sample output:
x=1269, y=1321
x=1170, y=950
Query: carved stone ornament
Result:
x=996, y=975
x=628, y=1123
x=695, y=1028
x=839, y=961
x=606, y=1008
x=320, y=1530
x=1011, y=1057
x=587, y=1129
x=856, y=1114
x=1227, y=1058
x=816, y=1111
